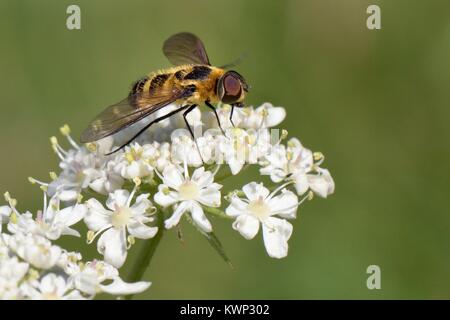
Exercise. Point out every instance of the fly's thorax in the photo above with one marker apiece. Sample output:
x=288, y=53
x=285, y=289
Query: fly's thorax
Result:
x=203, y=77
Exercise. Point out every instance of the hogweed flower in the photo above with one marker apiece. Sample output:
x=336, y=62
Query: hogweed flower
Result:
x=296, y=163
x=51, y=287
x=136, y=161
x=115, y=222
x=268, y=209
x=189, y=194
x=184, y=177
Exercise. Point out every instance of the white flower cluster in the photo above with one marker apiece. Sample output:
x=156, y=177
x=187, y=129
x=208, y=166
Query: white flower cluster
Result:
x=150, y=185
x=32, y=267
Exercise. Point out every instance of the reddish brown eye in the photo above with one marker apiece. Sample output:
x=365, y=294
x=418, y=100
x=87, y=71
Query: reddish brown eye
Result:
x=230, y=88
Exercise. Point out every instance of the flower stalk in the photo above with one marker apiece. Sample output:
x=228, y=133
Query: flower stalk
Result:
x=146, y=253
x=217, y=212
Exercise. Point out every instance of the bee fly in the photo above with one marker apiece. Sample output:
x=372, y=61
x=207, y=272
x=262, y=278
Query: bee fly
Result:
x=193, y=81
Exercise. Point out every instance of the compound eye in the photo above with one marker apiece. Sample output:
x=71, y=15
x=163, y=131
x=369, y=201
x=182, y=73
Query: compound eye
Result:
x=232, y=89
x=232, y=86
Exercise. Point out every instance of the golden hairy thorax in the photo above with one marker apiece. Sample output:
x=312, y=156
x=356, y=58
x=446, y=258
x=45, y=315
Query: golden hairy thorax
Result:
x=204, y=78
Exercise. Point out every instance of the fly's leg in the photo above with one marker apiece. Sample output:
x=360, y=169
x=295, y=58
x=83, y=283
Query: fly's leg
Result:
x=189, y=109
x=231, y=115
x=209, y=105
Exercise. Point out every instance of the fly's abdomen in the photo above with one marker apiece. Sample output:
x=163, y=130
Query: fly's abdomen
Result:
x=150, y=84
x=138, y=86
x=200, y=77
x=157, y=82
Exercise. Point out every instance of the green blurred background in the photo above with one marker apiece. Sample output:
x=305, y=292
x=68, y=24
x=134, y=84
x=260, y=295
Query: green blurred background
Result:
x=376, y=103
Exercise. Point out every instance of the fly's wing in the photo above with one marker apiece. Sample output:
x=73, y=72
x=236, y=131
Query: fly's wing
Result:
x=185, y=48
x=128, y=111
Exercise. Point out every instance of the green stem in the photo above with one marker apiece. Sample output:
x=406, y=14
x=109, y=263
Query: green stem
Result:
x=217, y=212
x=146, y=253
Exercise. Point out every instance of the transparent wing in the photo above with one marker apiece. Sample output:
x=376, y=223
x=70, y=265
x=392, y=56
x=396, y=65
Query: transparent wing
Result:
x=128, y=111
x=185, y=48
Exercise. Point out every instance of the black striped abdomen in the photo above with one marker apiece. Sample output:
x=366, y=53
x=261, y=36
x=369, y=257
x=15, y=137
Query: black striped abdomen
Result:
x=157, y=82
x=138, y=86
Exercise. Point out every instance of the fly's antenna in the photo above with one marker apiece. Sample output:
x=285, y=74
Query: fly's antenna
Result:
x=234, y=63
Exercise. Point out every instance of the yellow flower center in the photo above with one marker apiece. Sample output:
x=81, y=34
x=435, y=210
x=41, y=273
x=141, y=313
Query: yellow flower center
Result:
x=121, y=217
x=133, y=155
x=259, y=208
x=188, y=191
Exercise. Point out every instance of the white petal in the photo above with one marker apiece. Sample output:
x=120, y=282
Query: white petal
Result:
x=71, y=215
x=294, y=143
x=276, y=233
x=119, y=287
x=275, y=116
x=277, y=156
x=68, y=195
x=141, y=205
x=247, y=226
x=113, y=182
x=28, y=291
x=149, y=151
x=119, y=198
x=236, y=207
x=143, y=196
x=98, y=185
x=209, y=197
x=235, y=164
x=194, y=116
x=70, y=232
x=60, y=285
x=97, y=217
x=132, y=171
x=74, y=295
x=164, y=199
x=52, y=209
x=254, y=191
x=199, y=217
x=322, y=184
x=285, y=204
x=5, y=211
x=87, y=281
x=104, y=145
x=202, y=178
x=277, y=175
x=54, y=232
x=48, y=283
x=176, y=216
x=301, y=182
x=172, y=177
x=306, y=161
x=112, y=244
x=141, y=231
